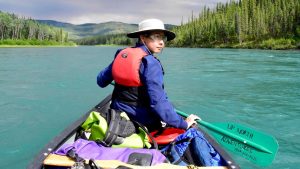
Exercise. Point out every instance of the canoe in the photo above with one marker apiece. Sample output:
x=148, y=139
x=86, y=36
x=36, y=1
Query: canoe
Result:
x=46, y=159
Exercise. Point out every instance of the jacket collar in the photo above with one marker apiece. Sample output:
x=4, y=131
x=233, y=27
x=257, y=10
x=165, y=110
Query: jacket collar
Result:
x=141, y=45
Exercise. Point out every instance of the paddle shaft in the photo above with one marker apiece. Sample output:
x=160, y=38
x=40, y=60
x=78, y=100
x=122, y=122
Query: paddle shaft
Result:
x=228, y=134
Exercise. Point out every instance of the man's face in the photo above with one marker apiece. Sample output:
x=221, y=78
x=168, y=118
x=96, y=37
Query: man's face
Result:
x=155, y=41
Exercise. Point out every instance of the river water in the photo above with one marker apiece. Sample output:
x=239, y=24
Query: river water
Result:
x=43, y=90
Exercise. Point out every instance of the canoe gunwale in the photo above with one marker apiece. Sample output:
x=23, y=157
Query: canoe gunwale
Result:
x=37, y=162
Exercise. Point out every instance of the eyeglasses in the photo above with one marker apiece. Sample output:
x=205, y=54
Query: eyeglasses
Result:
x=158, y=37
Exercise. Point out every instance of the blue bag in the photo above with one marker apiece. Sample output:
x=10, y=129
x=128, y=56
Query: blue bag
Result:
x=192, y=147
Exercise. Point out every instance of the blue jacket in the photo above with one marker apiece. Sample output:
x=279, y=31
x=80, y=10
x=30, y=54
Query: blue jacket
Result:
x=160, y=109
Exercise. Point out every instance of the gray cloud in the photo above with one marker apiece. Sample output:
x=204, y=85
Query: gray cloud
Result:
x=96, y=11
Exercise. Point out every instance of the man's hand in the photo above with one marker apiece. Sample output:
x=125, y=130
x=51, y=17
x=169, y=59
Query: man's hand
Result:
x=191, y=119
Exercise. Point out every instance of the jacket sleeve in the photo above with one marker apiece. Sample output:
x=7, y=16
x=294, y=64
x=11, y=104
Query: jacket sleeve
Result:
x=152, y=77
x=105, y=77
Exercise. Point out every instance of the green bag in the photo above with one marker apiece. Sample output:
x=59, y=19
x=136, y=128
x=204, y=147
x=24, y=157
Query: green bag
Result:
x=100, y=128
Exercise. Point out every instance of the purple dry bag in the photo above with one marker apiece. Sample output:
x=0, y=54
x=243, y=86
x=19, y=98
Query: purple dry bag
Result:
x=91, y=150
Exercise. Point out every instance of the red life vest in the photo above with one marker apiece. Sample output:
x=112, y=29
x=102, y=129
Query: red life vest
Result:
x=126, y=66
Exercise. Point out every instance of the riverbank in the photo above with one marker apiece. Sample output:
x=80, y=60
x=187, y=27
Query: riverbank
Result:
x=270, y=44
x=8, y=43
x=34, y=46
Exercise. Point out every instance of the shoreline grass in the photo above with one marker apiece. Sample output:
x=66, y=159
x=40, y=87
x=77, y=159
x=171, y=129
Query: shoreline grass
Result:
x=7, y=43
x=270, y=44
x=35, y=46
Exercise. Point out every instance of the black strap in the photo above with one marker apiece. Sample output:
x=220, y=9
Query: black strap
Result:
x=159, y=132
x=73, y=155
x=145, y=129
x=188, y=155
x=119, y=128
x=93, y=165
x=172, y=144
x=111, y=133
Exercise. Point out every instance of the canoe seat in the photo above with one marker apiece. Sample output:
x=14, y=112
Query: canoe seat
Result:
x=167, y=135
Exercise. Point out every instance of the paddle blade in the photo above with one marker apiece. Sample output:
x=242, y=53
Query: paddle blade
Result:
x=253, y=145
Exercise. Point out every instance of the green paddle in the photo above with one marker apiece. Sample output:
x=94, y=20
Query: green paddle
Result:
x=253, y=145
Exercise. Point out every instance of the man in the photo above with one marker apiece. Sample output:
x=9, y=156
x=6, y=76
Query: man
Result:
x=138, y=75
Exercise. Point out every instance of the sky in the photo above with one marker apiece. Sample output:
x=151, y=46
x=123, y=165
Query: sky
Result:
x=99, y=11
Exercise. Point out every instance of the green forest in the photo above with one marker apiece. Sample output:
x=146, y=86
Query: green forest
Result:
x=110, y=39
x=270, y=24
x=265, y=24
x=21, y=31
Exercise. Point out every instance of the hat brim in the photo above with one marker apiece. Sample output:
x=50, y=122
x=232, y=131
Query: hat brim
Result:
x=169, y=34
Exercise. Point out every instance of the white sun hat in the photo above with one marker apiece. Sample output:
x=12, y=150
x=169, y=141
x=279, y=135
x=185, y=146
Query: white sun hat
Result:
x=152, y=25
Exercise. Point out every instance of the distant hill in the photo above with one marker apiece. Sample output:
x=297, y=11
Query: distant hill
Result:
x=93, y=29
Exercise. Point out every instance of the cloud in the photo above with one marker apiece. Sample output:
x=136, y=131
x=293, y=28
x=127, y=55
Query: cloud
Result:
x=96, y=11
